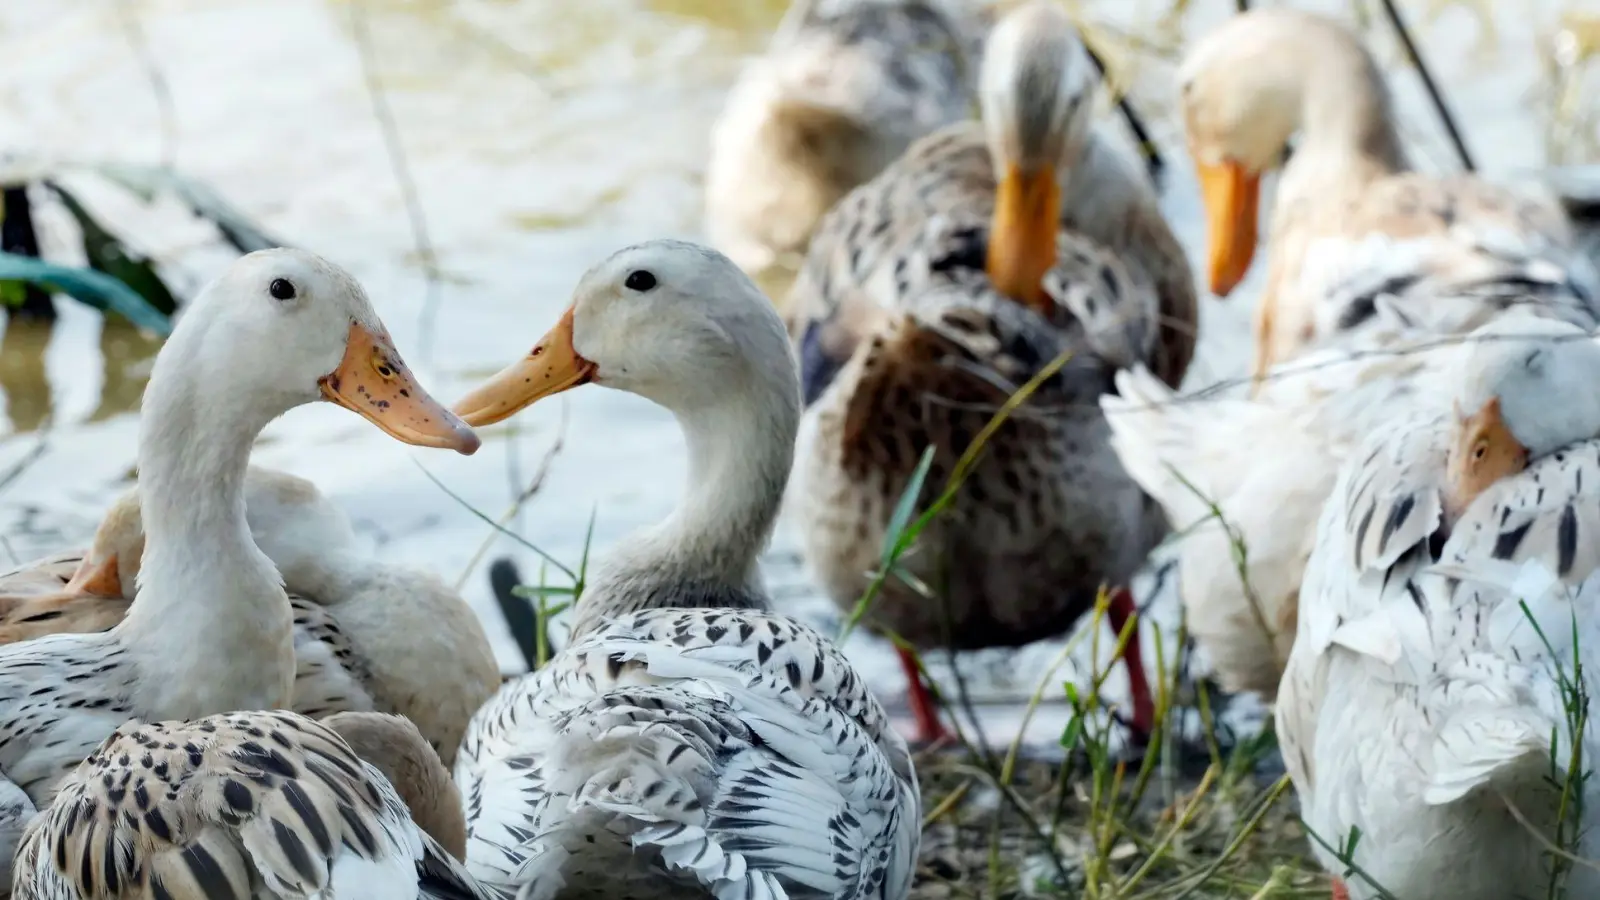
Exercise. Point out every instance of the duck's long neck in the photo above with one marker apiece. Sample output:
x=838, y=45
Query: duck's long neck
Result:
x=1346, y=115
x=210, y=628
x=740, y=453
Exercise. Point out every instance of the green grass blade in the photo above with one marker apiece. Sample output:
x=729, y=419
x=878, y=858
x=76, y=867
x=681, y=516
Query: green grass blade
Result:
x=905, y=508
x=496, y=525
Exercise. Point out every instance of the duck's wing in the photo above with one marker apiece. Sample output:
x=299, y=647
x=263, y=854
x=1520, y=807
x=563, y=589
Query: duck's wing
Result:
x=1379, y=528
x=733, y=751
x=1470, y=248
x=264, y=804
x=880, y=245
x=843, y=89
x=60, y=695
x=1243, y=479
x=1518, y=580
x=900, y=69
x=330, y=675
x=1113, y=205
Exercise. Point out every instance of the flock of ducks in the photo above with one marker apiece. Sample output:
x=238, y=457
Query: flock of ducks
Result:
x=1414, y=473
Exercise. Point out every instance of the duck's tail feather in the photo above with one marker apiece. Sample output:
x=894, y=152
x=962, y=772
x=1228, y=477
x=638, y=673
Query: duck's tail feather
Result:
x=1154, y=436
x=1484, y=746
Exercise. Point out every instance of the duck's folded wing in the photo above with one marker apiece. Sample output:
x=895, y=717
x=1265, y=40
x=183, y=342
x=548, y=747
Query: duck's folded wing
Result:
x=721, y=743
x=231, y=807
x=1520, y=570
x=1374, y=536
x=1528, y=546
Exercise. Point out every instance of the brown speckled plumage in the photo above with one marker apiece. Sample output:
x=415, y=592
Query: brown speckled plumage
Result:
x=904, y=344
x=241, y=805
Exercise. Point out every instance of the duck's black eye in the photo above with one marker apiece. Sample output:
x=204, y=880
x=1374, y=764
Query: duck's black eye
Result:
x=281, y=289
x=640, y=280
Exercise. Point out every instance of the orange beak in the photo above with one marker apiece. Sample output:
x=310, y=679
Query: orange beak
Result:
x=1231, y=195
x=373, y=382
x=552, y=366
x=1022, y=238
x=1485, y=452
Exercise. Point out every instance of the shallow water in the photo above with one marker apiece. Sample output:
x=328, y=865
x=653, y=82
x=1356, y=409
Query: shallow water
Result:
x=541, y=136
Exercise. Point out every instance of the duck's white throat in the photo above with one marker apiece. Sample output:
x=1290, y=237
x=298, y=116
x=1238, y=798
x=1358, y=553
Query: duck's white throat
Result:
x=211, y=628
x=741, y=450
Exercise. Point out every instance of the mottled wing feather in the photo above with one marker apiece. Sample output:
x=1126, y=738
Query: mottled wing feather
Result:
x=330, y=675
x=1374, y=536
x=235, y=806
x=737, y=749
x=1466, y=248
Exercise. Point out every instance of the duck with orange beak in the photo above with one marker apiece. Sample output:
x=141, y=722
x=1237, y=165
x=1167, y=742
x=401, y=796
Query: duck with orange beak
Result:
x=368, y=633
x=1454, y=579
x=211, y=628
x=929, y=296
x=688, y=740
x=1351, y=219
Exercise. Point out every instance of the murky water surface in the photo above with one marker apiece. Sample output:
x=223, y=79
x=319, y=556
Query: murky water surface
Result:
x=540, y=135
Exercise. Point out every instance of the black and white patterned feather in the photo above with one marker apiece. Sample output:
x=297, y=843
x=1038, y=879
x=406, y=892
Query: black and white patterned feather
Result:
x=242, y=806
x=727, y=752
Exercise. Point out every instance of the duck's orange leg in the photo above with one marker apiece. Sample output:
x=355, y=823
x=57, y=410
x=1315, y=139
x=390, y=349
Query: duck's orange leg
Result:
x=1340, y=892
x=926, y=712
x=1120, y=611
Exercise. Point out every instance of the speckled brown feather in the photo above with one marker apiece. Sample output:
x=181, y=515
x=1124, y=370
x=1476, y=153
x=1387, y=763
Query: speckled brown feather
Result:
x=243, y=805
x=904, y=344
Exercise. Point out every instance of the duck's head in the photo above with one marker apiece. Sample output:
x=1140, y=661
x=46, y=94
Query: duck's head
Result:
x=674, y=322
x=282, y=328
x=1036, y=90
x=1527, y=391
x=1243, y=87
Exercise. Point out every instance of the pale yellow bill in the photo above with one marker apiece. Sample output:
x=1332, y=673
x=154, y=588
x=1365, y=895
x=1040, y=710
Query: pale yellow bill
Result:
x=551, y=367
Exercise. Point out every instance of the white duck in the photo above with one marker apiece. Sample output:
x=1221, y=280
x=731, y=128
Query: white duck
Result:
x=841, y=91
x=264, y=805
x=1242, y=479
x=1349, y=206
x=1421, y=703
x=688, y=740
x=369, y=635
x=211, y=628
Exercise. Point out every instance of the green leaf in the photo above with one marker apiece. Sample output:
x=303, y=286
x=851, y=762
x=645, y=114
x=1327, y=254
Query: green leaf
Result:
x=543, y=590
x=109, y=255
x=1073, y=731
x=905, y=507
x=97, y=289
